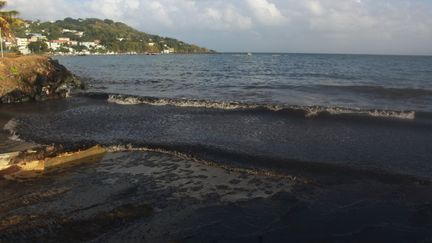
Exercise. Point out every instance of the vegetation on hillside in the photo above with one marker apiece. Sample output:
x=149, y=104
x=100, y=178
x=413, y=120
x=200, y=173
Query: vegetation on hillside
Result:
x=115, y=36
x=7, y=18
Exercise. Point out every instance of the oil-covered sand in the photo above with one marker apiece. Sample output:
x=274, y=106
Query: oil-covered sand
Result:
x=152, y=197
x=143, y=196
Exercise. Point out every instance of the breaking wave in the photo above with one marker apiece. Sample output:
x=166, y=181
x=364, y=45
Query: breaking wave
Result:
x=307, y=111
x=191, y=157
x=10, y=127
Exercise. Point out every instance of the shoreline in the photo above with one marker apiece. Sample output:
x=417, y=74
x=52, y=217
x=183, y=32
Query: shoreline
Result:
x=195, y=174
x=157, y=197
x=168, y=197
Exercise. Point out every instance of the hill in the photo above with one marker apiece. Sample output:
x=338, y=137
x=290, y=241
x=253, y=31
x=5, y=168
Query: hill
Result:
x=114, y=36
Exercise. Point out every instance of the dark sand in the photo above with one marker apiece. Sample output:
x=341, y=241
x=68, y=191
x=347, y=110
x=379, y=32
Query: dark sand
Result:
x=153, y=197
x=156, y=197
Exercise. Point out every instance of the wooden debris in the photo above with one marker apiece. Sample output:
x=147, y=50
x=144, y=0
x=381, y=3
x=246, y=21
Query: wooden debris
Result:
x=24, y=165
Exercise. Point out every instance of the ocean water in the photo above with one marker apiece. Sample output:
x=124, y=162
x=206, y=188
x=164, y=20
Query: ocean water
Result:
x=349, y=81
x=232, y=148
x=355, y=115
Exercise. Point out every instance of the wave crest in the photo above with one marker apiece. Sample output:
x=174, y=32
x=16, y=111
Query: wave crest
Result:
x=307, y=111
x=10, y=127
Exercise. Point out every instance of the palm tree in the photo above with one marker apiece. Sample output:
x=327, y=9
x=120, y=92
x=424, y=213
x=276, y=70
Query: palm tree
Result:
x=6, y=19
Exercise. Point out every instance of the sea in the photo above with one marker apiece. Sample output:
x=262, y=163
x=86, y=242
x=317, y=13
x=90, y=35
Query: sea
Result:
x=389, y=83
x=231, y=148
x=279, y=112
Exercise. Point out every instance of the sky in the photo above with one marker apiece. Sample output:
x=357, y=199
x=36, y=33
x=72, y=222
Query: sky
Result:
x=295, y=26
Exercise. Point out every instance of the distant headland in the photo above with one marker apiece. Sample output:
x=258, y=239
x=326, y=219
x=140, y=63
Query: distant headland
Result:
x=91, y=36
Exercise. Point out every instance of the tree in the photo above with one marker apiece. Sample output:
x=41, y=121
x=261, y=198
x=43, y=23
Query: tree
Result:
x=63, y=49
x=79, y=48
x=38, y=47
x=6, y=19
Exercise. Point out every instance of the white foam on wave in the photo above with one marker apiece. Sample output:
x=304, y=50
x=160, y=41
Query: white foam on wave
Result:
x=408, y=115
x=130, y=100
x=309, y=111
x=11, y=126
x=405, y=115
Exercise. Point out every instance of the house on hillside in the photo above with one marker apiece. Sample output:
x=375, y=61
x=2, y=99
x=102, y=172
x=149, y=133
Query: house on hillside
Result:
x=56, y=44
x=22, y=45
x=168, y=50
x=69, y=31
x=89, y=44
x=37, y=37
x=22, y=42
x=75, y=32
x=65, y=39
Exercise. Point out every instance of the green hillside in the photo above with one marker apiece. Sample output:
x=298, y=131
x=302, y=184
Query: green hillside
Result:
x=115, y=36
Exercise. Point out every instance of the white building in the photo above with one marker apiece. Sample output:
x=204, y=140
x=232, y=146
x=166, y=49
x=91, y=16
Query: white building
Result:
x=37, y=37
x=64, y=39
x=8, y=44
x=75, y=32
x=89, y=45
x=24, y=50
x=22, y=42
x=68, y=31
x=54, y=45
x=168, y=50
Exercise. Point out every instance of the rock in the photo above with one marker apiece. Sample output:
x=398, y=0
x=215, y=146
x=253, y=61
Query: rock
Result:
x=36, y=78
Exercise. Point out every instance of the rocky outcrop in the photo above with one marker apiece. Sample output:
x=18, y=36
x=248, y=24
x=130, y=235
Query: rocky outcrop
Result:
x=34, y=78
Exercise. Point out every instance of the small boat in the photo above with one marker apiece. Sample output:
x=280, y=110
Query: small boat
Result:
x=249, y=54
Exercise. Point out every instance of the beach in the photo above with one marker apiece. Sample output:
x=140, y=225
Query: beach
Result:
x=328, y=151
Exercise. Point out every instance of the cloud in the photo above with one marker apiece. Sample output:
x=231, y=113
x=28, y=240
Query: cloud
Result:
x=359, y=26
x=265, y=12
x=227, y=18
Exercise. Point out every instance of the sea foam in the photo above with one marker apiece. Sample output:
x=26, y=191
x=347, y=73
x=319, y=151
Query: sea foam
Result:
x=308, y=111
x=11, y=126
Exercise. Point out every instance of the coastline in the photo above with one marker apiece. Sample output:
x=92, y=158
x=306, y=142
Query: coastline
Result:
x=151, y=196
x=170, y=174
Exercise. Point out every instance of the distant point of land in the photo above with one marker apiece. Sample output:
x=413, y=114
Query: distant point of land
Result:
x=92, y=36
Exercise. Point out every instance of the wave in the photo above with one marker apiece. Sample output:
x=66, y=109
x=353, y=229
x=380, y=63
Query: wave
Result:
x=306, y=111
x=10, y=127
x=269, y=166
x=191, y=157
